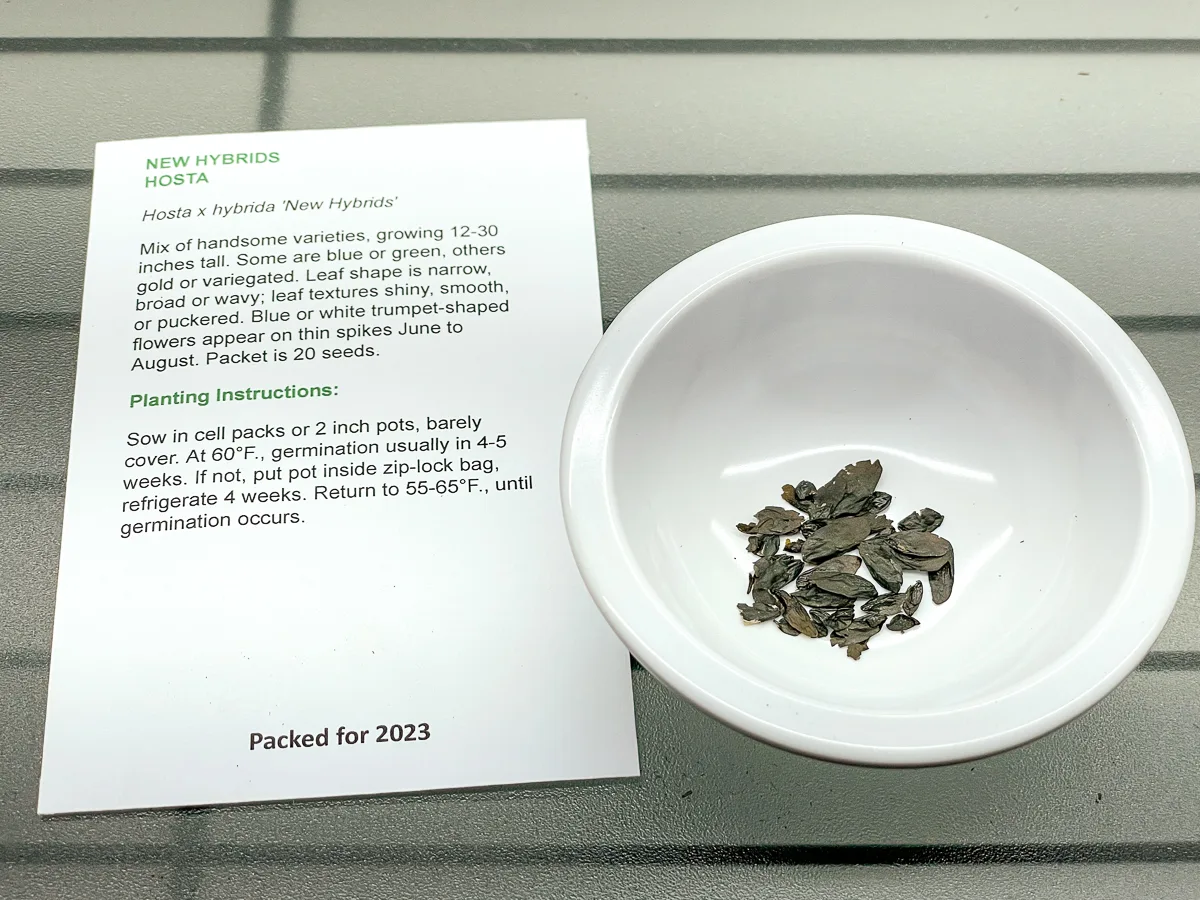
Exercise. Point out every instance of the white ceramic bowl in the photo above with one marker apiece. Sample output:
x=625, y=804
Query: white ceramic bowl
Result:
x=991, y=390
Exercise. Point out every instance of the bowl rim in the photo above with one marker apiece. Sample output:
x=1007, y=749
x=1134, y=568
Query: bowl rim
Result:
x=1062, y=691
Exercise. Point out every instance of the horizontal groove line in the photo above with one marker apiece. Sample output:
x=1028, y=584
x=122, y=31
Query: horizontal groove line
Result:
x=1155, y=661
x=240, y=855
x=138, y=44
x=14, y=321
x=45, y=177
x=632, y=181
x=1159, y=323
x=735, y=45
x=24, y=659
x=594, y=45
x=683, y=181
x=1170, y=661
x=35, y=484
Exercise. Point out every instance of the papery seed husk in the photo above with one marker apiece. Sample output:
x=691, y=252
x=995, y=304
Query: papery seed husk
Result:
x=856, y=650
x=754, y=614
x=792, y=498
x=773, y=520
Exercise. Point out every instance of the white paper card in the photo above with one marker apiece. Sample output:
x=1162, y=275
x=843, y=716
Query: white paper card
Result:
x=313, y=544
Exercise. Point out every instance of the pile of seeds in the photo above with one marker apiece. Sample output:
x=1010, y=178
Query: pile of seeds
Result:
x=823, y=527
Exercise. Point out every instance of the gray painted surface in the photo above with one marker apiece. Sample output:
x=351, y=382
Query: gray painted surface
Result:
x=1095, y=175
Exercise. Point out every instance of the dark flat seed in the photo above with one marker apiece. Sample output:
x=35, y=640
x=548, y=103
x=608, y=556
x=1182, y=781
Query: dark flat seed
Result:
x=826, y=498
x=887, y=605
x=848, y=491
x=799, y=620
x=845, y=585
x=767, y=600
x=858, y=631
x=918, y=544
x=941, y=581
x=846, y=565
x=829, y=601
x=912, y=598
x=922, y=520
x=836, y=538
x=844, y=514
x=812, y=525
x=772, y=572
x=812, y=596
x=763, y=544
x=882, y=564
x=858, y=482
x=926, y=563
x=831, y=619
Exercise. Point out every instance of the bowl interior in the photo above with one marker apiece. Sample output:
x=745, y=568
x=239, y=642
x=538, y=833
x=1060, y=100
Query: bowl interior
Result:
x=977, y=402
